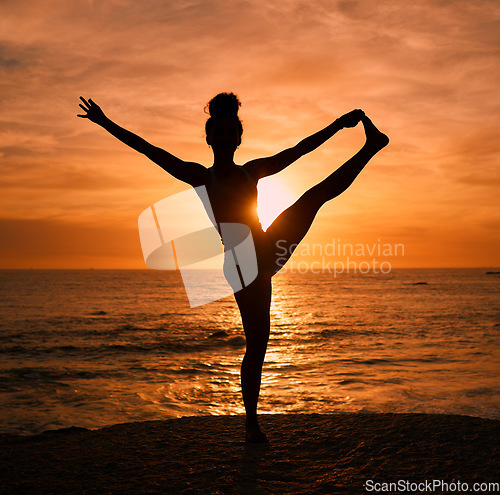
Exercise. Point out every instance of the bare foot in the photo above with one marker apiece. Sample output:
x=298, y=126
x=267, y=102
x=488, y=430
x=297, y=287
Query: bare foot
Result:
x=255, y=435
x=374, y=137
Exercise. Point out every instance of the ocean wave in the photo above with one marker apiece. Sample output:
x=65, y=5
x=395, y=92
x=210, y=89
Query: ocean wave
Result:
x=112, y=348
x=49, y=375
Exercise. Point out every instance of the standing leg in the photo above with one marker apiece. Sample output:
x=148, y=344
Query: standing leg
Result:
x=292, y=224
x=254, y=302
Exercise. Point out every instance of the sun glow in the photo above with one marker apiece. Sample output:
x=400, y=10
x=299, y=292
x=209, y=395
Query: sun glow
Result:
x=273, y=198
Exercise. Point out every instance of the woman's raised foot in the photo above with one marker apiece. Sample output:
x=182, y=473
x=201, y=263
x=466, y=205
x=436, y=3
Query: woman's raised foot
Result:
x=374, y=137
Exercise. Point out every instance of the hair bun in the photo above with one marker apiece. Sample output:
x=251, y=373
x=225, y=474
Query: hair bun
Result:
x=224, y=105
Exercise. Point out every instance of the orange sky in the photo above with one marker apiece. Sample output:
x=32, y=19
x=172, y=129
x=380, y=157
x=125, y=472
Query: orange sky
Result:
x=426, y=72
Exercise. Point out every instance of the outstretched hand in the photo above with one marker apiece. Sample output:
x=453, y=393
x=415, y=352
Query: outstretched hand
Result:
x=351, y=119
x=92, y=111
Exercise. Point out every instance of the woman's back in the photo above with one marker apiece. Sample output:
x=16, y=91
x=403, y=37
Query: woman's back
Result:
x=233, y=196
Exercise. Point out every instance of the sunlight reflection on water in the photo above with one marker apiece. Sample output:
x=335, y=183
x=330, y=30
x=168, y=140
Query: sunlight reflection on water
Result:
x=125, y=346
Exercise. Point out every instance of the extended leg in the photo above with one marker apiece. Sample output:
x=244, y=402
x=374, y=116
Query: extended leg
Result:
x=344, y=176
x=292, y=225
x=254, y=303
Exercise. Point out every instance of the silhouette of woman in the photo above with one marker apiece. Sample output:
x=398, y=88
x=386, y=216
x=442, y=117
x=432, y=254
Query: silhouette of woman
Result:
x=232, y=190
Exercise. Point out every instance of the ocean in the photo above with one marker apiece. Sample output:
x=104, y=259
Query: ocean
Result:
x=92, y=348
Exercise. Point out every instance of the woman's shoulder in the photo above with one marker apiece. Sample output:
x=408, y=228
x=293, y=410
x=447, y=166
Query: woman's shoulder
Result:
x=199, y=174
x=246, y=172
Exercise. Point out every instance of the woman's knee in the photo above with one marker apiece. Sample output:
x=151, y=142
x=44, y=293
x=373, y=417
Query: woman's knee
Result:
x=317, y=196
x=254, y=355
x=257, y=339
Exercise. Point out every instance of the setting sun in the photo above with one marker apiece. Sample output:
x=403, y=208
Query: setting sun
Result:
x=273, y=198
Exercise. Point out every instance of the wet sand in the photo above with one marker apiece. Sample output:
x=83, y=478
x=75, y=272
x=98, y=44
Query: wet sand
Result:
x=308, y=454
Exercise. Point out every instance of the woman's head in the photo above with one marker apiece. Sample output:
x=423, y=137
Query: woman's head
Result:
x=224, y=127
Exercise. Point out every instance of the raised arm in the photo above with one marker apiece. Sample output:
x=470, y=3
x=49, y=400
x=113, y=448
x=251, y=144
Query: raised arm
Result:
x=191, y=173
x=263, y=167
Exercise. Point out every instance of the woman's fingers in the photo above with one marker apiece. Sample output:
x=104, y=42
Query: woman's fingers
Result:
x=85, y=107
x=352, y=118
x=92, y=111
x=85, y=101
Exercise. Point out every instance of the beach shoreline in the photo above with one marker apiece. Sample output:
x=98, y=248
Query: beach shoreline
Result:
x=308, y=453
